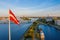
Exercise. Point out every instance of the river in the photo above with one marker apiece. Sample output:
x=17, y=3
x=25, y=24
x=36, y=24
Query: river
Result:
x=50, y=32
x=16, y=31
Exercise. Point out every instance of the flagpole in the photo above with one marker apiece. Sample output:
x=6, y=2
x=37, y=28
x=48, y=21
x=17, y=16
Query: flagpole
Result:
x=12, y=18
x=9, y=29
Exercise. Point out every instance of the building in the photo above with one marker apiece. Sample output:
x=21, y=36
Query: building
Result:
x=57, y=22
x=50, y=20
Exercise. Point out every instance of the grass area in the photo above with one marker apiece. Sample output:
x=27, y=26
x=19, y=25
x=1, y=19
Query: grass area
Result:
x=31, y=31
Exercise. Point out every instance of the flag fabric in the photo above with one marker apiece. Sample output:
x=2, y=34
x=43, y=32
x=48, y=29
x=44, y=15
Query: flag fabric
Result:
x=12, y=17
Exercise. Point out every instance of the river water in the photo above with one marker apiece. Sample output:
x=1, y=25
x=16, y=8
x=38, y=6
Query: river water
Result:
x=16, y=31
x=50, y=32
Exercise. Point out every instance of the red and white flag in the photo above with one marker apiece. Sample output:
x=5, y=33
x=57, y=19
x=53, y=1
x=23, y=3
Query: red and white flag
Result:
x=12, y=17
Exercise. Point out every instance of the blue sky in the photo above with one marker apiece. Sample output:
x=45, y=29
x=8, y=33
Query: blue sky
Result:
x=30, y=7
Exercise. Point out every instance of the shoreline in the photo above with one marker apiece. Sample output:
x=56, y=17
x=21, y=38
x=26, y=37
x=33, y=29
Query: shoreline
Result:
x=56, y=27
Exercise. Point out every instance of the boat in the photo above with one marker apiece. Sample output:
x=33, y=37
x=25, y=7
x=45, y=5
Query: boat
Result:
x=42, y=37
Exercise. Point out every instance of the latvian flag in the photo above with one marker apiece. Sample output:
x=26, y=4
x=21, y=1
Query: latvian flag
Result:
x=12, y=17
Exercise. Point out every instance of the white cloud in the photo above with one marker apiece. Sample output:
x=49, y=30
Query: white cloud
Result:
x=31, y=11
x=52, y=11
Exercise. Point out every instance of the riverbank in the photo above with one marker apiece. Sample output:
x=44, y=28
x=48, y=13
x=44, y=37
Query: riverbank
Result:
x=30, y=32
x=55, y=26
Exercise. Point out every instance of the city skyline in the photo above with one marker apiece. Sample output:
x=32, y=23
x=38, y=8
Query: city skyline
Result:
x=30, y=7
